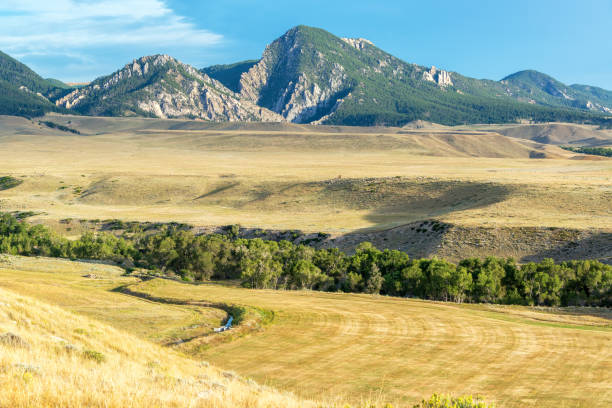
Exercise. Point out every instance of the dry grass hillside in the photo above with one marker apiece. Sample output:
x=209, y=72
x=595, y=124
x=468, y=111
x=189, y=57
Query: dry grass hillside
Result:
x=323, y=346
x=555, y=133
x=52, y=358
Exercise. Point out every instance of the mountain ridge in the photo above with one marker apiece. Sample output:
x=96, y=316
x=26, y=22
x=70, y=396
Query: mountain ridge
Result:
x=161, y=86
x=309, y=75
x=541, y=87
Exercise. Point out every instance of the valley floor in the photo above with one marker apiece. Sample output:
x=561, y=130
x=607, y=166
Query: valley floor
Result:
x=502, y=193
x=489, y=194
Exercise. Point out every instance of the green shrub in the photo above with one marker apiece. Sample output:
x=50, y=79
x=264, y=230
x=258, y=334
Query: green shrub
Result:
x=8, y=182
x=94, y=356
x=444, y=401
x=597, y=151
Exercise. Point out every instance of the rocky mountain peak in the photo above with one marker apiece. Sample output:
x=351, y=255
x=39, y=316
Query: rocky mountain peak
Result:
x=296, y=77
x=161, y=86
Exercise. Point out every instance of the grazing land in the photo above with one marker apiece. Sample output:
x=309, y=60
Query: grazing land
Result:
x=338, y=180
x=386, y=349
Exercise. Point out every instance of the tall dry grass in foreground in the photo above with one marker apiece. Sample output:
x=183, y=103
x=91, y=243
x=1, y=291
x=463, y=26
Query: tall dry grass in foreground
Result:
x=59, y=359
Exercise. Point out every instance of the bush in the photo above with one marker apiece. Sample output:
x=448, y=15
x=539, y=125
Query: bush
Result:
x=7, y=182
x=94, y=356
x=443, y=401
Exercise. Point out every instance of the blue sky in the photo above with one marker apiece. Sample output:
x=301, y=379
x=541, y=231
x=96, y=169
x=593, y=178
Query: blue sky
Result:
x=78, y=40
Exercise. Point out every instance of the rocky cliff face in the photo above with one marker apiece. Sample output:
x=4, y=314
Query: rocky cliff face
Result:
x=163, y=87
x=440, y=77
x=358, y=43
x=295, y=80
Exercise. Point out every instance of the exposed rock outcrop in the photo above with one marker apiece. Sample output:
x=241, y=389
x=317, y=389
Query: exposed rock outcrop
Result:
x=440, y=77
x=163, y=87
x=279, y=82
x=357, y=43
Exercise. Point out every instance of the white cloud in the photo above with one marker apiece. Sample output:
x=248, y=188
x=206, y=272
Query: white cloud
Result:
x=36, y=27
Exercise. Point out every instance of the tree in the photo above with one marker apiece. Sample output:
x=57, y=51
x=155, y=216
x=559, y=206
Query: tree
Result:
x=260, y=271
x=460, y=284
x=375, y=280
x=487, y=278
x=305, y=275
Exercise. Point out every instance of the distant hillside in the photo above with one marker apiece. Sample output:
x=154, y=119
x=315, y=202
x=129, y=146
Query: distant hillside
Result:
x=23, y=92
x=559, y=134
x=309, y=75
x=536, y=87
x=58, y=84
x=598, y=94
x=160, y=86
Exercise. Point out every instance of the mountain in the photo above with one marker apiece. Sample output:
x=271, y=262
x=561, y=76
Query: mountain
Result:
x=309, y=75
x=599, y=95
x=536, y=87
x=161, y=86
x=23, y=92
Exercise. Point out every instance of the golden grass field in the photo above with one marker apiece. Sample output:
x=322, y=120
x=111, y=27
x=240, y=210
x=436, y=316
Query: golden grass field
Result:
x=286, y=176
x=338, y=347
x=54, y=370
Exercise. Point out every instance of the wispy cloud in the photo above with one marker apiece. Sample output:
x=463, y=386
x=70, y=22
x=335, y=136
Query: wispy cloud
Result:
x=38, y=27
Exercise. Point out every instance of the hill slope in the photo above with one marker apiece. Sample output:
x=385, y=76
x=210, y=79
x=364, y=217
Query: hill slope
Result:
x=309, y=75
x=558, y=134
x=23, y=92
x=161, y=86
x=61, y=359
x=229, y=74
x=533, y=86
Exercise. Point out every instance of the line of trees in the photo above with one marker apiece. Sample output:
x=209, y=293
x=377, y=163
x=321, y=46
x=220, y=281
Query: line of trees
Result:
x=598, y=151
x=283, y=265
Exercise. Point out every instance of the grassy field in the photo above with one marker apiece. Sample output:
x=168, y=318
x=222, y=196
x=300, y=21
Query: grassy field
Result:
x=61, y=282
x=61, y=359
x=326, y=179
x=352, y=347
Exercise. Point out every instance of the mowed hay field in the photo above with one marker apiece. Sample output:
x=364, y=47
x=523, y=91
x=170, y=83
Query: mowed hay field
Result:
x=284, y=176
x=358, y=347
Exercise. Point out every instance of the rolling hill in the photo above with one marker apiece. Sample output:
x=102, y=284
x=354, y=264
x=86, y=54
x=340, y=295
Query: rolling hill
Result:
x=533, y=86
x=558, y=134
x=50, y=358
